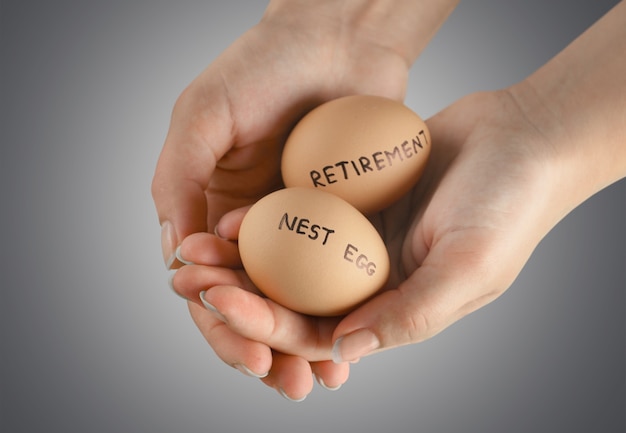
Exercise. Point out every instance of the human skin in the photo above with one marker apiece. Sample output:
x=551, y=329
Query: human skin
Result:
x=505, y=168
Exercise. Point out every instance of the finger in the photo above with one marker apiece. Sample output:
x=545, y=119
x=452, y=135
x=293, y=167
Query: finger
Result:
x=290, y=376
x=190, y=280
x=330, y=375
x=208, y=249
x=181, y=207
x=228, y=226
x=250, y=357
x=263, y=320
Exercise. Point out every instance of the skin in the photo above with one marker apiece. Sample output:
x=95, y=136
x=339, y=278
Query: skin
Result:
x=505, y=168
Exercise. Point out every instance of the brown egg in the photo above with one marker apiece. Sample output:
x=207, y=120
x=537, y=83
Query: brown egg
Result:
x=368, y=150
x=312, y=252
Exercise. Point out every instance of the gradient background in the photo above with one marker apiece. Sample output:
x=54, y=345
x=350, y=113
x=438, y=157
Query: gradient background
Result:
x=93, y=340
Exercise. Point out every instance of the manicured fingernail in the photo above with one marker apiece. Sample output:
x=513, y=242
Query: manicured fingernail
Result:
x=170, y=282
x=353, y=346
x=323, y=384
x=212, y=308
x=179, y=257
x=216, y=232
x=168, y=243
x=245, y=370
x=295, y=400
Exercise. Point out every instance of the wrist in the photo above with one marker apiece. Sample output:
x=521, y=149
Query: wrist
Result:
x=576, y=101
x=401, y=26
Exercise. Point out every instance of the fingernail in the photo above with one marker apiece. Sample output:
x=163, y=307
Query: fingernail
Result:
x=170, y=282
x=323, y=384
x=353, y=346
x=216, y=232
x=212, y=308
x=168, y=243
x=284, y=394
x=245, y=370
x=179, y=257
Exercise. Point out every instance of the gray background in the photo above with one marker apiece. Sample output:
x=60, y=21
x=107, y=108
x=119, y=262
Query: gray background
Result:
x=93, y=340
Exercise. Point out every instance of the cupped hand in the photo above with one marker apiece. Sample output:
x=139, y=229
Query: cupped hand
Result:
x=222, y=152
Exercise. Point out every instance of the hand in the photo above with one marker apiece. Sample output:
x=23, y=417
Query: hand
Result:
x=506, y=167
x=223, y=152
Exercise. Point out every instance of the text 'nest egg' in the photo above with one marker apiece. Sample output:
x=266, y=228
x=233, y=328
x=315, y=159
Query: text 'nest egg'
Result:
x=312, y=252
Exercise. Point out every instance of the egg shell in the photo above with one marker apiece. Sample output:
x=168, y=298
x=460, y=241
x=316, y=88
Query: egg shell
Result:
x=312, y=252
x=368, y=150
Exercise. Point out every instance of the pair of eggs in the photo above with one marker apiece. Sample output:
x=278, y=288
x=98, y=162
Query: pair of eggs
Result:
x=309, y=246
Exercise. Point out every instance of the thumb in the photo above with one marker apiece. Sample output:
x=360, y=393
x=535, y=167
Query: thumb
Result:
x=447, y=287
